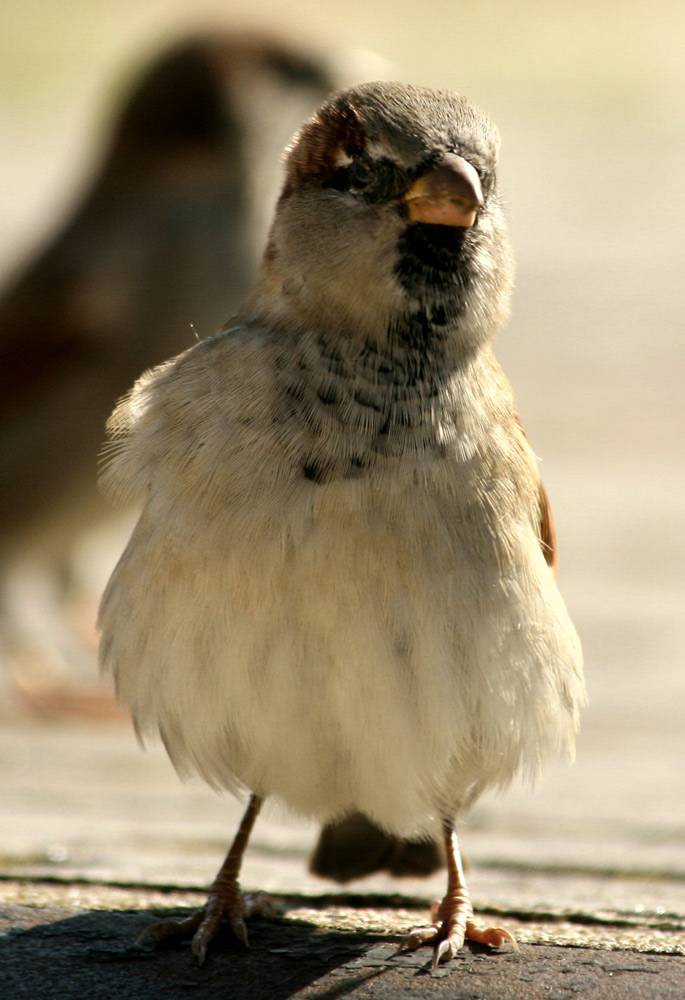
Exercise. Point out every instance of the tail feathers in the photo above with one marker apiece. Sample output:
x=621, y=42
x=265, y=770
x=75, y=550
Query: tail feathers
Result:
x=355, y=847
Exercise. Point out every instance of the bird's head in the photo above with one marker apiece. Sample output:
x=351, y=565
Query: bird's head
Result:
x=389, y=226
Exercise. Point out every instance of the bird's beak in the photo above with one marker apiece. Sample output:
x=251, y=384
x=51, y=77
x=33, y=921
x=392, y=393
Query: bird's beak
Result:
x=448, y=194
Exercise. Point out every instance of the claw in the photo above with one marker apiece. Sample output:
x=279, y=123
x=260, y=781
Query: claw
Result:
x=416, y=938
x=443, y=949
x=239, y=928
x=148, y=930
x=199, y=949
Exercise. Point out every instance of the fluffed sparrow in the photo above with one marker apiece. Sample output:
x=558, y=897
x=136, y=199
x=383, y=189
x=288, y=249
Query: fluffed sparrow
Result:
x=339, y=590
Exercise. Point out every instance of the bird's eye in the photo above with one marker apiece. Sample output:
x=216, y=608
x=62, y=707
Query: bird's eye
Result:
x=358, y=175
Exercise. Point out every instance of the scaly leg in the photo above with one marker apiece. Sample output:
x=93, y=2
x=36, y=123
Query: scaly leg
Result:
x=225, y=899
x=453, y=921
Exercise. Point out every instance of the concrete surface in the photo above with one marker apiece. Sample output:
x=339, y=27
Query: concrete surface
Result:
x=64, y=942
x=97, y=838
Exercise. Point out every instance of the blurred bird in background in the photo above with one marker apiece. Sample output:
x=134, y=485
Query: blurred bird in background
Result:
x=160, y=251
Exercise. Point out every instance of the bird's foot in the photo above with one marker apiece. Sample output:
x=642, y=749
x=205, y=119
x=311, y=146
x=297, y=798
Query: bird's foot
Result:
x=226, y=900
x=452, y=924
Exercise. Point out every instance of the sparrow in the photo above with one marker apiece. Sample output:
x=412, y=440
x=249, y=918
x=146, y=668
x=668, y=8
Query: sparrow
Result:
x=340, y=592
x=165, y=241
x=159, y=249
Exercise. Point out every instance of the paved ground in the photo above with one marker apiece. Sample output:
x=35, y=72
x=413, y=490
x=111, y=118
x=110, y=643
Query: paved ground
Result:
x=97, y=837
x=73, y=941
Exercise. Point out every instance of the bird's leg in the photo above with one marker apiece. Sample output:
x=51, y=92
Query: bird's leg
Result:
x=453, y=921
x=225, y=899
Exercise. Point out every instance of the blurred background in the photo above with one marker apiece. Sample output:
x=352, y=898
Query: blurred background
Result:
x=590, y=101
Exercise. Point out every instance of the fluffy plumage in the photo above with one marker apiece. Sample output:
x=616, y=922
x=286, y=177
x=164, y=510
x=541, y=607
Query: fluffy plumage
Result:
x=337, y=592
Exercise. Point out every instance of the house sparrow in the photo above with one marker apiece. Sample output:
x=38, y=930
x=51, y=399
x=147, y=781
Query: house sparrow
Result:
x=166, y=241
x=339, y=590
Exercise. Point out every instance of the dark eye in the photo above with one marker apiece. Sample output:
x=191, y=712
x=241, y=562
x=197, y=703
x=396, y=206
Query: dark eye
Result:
x=358, y=175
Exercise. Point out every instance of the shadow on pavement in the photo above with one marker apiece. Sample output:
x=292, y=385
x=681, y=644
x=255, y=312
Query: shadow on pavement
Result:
x=94, y=955
x=47, y=955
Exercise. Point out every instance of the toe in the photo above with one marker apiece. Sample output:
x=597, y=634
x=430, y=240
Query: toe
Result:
x=163, y=929
x=206, y=932
x=494, y=937
x=204, y=924
x=239, y=928
x=418, y=937
x=260, y=904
